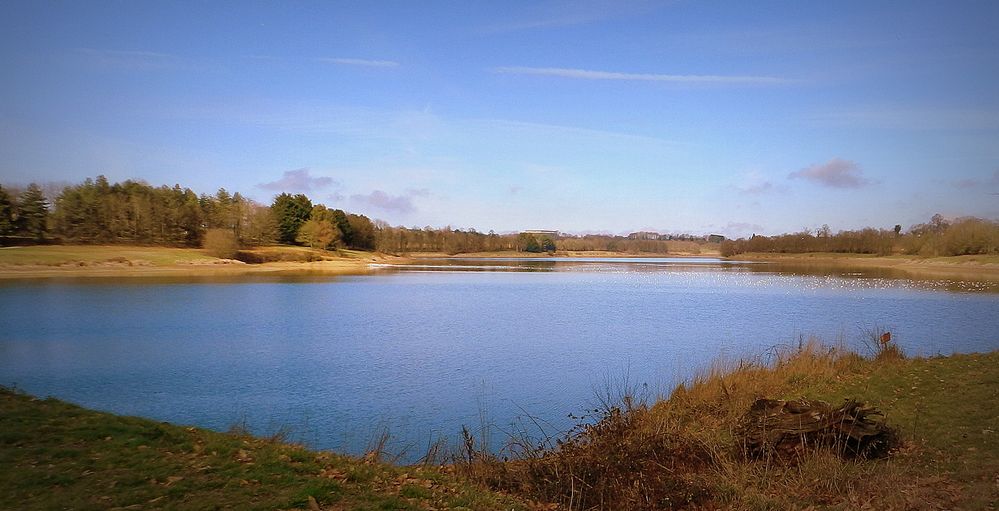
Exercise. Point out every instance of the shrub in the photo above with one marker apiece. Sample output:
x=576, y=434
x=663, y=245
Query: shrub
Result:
x=221, y=243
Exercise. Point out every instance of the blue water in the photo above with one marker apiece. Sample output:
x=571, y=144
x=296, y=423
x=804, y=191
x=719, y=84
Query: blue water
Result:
x=423, y=349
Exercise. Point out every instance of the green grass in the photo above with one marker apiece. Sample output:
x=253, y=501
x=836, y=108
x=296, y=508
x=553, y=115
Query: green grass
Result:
x=947, y=408
x=686, y=446
x=54, y=455
x=944, y=409
x=57, y=455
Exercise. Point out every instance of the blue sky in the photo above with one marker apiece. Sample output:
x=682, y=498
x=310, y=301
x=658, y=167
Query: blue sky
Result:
x=607, y=116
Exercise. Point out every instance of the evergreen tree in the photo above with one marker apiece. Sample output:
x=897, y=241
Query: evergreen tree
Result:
x=6, y=213
x=32, y=212
x=343, y=223
x=290, y=212
x=362, y=232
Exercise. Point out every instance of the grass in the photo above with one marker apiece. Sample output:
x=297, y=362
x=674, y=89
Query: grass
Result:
x=683, y=450
x=891, y=259
x=55, y=255
x=54, y=455
x=127, y=255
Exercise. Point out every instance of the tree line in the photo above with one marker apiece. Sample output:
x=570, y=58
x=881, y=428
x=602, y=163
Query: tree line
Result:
x=938, y=237
x=133, y=212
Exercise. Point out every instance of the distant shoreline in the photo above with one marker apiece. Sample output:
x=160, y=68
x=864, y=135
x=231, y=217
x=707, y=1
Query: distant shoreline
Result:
x=971, y=266
x=137, y=261
x=71, y=261
x=568, y=253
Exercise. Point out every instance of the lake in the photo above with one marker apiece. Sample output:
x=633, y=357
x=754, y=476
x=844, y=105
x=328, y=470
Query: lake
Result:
x=422, y=349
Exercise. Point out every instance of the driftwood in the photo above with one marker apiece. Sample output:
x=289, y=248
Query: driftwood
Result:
x=788, y=429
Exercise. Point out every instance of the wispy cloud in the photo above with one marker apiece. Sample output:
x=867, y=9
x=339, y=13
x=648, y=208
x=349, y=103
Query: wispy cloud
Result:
x=383, y=201
x=129, y=59
x=299, y=180
x=836, y=173
x=358, y=62
x=587, y=74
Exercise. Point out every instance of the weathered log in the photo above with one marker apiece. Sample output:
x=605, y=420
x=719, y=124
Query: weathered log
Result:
x=788, y=429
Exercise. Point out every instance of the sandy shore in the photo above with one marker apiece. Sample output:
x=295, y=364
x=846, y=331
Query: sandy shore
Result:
x=127, y=261
x=89, y=261
x=131, y=261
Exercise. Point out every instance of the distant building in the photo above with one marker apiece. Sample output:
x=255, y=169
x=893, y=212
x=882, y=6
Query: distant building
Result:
x=644, y=235
x=541, y=232
x=715, y=238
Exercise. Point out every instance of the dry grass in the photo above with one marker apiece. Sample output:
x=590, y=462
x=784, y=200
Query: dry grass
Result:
x=684, y=451
x=57, y=255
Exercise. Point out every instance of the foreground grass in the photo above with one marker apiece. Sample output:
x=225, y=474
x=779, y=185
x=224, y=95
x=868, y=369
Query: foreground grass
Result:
x=944, y=409
x=681, y=451
x=54, y=455
x=684, y=451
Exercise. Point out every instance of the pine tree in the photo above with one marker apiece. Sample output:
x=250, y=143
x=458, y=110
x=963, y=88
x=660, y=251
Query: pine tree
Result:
x=6, y=213
x=290, y=212
x=33, y=212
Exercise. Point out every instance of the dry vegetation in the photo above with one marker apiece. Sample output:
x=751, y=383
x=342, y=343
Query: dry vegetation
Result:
x=938, y=237
x=685, y=451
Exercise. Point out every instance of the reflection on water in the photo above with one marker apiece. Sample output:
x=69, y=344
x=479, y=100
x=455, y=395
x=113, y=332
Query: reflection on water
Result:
x=424, y=348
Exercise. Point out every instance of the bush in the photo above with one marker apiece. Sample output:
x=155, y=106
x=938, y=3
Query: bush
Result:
x=221, y=243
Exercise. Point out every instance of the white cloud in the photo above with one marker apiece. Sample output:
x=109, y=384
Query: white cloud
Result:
x=587, y=74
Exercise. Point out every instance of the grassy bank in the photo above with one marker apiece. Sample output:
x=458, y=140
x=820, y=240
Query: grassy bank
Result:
x=122, y=260
x=684, y=450
x=678, y=452
x=54, y=455
x=971, y=266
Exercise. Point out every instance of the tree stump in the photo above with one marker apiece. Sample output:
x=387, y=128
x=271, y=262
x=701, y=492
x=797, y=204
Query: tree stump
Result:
x=788, y=429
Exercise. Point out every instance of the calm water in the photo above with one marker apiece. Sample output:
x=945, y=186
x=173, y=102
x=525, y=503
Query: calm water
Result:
x=423, y=349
